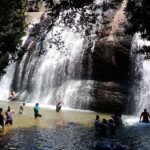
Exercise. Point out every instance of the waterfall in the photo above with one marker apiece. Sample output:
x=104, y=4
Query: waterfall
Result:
x=60, y=73
x=141, y=75
x=5, y=83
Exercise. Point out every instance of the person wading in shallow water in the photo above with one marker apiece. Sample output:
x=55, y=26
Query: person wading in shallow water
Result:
x=58, y=105
x=21, y=108
x=36, y=111
x=9, y=116
x=2, y=119
x=97, y=123
x=145, y=116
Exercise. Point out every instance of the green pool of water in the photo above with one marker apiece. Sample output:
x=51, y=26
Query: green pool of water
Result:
x=67, y=130
x=50, y=118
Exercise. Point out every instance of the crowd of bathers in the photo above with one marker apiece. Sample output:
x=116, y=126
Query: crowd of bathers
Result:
x=6, y=117
x=105, y=127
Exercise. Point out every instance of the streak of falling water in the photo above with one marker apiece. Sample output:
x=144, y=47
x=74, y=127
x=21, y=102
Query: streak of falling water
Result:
x=141, y=75
x=58, y=74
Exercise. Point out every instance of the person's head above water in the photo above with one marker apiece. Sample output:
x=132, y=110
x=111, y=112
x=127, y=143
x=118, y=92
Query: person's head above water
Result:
x=9, y=108
x=1, y=109
x=97, y=117
x=37, y=104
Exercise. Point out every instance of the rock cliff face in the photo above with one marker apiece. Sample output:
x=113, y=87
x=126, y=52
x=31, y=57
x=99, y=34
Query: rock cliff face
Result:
x=110, y=56
x=111, y=62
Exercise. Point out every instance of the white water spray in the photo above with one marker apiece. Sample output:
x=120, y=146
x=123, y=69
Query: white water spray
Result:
x=141, y=88
x=58, y=73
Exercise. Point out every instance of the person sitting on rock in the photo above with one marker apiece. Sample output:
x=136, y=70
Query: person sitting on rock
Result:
x=36, y=111
x=12, y=95
x=145, y=116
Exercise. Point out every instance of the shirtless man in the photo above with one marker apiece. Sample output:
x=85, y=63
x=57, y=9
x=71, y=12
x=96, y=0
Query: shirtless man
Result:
x=145, y=116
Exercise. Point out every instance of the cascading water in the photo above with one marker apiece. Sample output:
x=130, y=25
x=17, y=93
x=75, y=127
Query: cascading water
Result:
x=57, y=74
x=141, y=75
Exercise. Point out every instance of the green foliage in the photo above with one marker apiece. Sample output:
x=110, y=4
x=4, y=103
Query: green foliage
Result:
x=116, y=2
x=11, y=30
x=138, y=14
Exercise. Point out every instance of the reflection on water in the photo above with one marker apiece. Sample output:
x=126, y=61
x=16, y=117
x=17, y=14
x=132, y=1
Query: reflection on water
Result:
x=69, y=137
x=135, y=134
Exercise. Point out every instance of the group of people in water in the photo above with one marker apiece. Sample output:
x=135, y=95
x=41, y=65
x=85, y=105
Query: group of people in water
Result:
x=101, y=126
x=104, y=126
x=6, y=117
x=13, y=95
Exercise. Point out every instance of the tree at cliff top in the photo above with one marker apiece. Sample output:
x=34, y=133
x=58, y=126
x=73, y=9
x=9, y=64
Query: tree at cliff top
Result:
x=11, y=31
x=138, y=14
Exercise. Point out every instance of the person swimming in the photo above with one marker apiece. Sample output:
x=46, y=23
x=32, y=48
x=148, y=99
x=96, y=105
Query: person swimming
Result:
x=145, y=116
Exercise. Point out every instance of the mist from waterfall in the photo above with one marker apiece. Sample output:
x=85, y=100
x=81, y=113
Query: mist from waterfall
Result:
x=140, y=75
x=57, y=74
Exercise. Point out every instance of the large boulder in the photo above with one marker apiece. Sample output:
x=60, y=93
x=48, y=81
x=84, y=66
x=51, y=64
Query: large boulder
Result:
x=110, y=62
x=108, y=97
